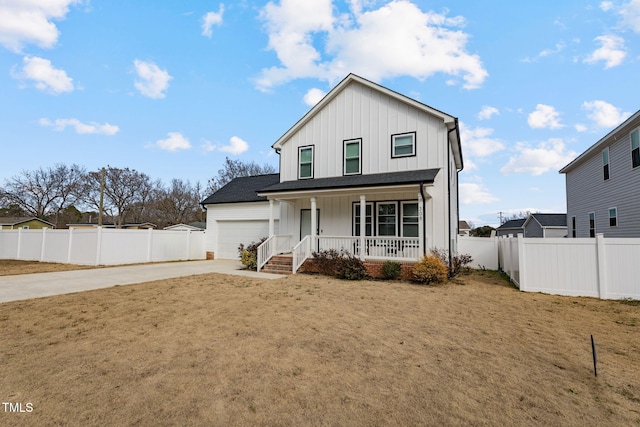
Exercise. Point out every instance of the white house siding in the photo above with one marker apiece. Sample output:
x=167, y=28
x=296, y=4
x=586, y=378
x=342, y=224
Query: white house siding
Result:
x=222, y=218
x=587, y=191
x=361, y=112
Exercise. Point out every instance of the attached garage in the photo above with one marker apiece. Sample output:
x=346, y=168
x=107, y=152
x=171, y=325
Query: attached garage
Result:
x=236, y=214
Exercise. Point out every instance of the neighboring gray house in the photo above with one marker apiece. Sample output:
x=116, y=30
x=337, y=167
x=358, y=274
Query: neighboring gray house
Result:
x=463, y=228
x=603, y=185
x=545, y=225
x=513, y=227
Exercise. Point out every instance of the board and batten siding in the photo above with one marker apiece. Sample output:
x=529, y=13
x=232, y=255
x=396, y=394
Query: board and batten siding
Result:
x=587, y=191
x=361, y=112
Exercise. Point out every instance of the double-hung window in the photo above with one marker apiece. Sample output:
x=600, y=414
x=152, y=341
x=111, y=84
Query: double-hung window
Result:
x=403, y=144
x=605, y=163
x=305, y=162
x=409, y=219
x=613, y=217
x=368, y=220
x=635, y=148
x=352, y=157
x=592, y=224
x=386, y=219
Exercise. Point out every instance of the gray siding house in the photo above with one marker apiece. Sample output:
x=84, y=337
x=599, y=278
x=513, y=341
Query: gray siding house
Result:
x=545, y=225
x=603, y=185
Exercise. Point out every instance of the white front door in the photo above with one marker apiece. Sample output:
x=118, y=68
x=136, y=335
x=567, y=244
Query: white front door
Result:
x=305, y=222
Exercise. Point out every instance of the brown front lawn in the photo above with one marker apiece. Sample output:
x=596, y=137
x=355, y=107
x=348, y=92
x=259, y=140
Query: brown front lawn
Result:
x=11, y=267
x=311, y=350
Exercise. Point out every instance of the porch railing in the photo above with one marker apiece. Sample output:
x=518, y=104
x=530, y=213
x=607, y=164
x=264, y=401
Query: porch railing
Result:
x=301, y=252
x=274, y=245
x=400, y=248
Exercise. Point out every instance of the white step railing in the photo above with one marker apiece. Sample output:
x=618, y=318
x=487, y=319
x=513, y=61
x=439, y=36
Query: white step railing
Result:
x=301, y=252
x=274, y=245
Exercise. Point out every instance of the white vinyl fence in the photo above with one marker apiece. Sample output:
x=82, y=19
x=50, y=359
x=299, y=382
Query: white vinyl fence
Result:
x=101, y=246
x=597, y=267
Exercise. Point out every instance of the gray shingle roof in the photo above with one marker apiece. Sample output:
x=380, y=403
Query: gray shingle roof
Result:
x=354, y=181
x=242, y=189
x=513, y=223
x=551, y=220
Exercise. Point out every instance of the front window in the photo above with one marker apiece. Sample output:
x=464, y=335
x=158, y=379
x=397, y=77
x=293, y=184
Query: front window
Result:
x=403, y=145
x=368, y=220
x=592, y=224
x=635, y=148
x=410, y=220
x=613, y=217
x=605, y=163
x=352, y=156
x=305, y=156
x=387, y=219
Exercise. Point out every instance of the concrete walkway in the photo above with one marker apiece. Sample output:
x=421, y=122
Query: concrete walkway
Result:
x=26, y=286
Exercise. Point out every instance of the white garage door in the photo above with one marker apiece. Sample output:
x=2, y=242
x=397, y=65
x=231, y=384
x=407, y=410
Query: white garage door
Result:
x=232, y=233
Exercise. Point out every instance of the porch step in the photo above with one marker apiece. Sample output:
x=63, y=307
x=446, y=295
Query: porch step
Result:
x=279, y=264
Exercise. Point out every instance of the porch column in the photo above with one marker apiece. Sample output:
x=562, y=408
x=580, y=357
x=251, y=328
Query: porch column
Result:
x=314, y=222
x=363, y=224
x=420, y=224
x=271, y=220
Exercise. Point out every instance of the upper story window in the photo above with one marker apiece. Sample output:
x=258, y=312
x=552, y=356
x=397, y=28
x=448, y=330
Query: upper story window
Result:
x=305, y=162
x=352, y=157
x=635, y=148
x=403, y=144
x=605, y=163
x=613, y=217
x=592, y=224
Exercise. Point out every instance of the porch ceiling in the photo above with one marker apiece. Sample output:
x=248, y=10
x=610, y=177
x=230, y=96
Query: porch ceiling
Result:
x=378, y=182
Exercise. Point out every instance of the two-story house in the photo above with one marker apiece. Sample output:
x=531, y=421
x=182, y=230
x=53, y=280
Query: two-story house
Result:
x=602, y=185
x=367, y=170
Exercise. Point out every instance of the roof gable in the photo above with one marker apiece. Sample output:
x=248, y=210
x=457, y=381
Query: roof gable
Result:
x=450, y=121
x=548, y=219
x=513, y=223
x=21, y=220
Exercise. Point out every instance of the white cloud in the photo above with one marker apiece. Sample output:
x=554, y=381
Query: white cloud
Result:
x=175, y=141
x=631, y=15
x=208, y=146
x=81, y=128
x=45, y=77
x=475, y=193
x=579, y=127
x=30, y=22
x=544, y=117
x=211, y=19
x=477, y=142
x=313, y=96
x=236, y=146
x=153, y=81
x=487, y=112
x=398, y=39
x=547, y=156
x=603, y=114
x=606, y=6
x=612, y=51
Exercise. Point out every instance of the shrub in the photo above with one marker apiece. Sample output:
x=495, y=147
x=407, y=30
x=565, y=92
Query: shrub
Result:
x=459, y=262
x=249, y=254
x=430, y=269
x=391, y=270
x=340, y=264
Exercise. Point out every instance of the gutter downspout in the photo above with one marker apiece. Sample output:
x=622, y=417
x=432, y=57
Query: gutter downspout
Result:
x=456, y=128
x=424, y=220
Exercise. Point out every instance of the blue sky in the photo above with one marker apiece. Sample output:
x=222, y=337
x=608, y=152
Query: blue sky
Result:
x=172, y=88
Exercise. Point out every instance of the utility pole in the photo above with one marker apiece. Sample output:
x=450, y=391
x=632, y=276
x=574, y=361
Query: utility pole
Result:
x=501, y=218
x=101, y=197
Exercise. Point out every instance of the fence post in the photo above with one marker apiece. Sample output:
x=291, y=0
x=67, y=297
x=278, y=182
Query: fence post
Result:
x=149, y=244
x=510, y=243
x=521, y=263
x=44, y=241
x=188, y=245
x=70, y=245
x=98, y=244
x=602, y=266
x=19, y=243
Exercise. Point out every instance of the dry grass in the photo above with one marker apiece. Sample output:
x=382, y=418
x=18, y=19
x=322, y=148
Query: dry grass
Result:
x=10, y=267
x=309, y=350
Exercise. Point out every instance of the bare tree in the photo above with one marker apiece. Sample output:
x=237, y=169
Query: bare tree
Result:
x=44, y=193
x=234, y=169
x=179, y=203
x=123, y=190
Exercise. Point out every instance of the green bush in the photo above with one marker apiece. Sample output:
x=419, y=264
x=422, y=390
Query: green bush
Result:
x=249, y=254
x=429, y=270
x=391, y=270
x=340, y=264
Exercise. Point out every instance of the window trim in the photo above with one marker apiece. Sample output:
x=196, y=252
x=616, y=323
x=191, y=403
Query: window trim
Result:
x=614, y=218
x=592, y=230
x=300, y=149
x=637, y=132
x=414, y=145
x=606, y=169
x=344, y=156
x=402, y=216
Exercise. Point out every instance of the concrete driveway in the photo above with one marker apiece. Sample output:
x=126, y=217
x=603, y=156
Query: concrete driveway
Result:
x=26, y=286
